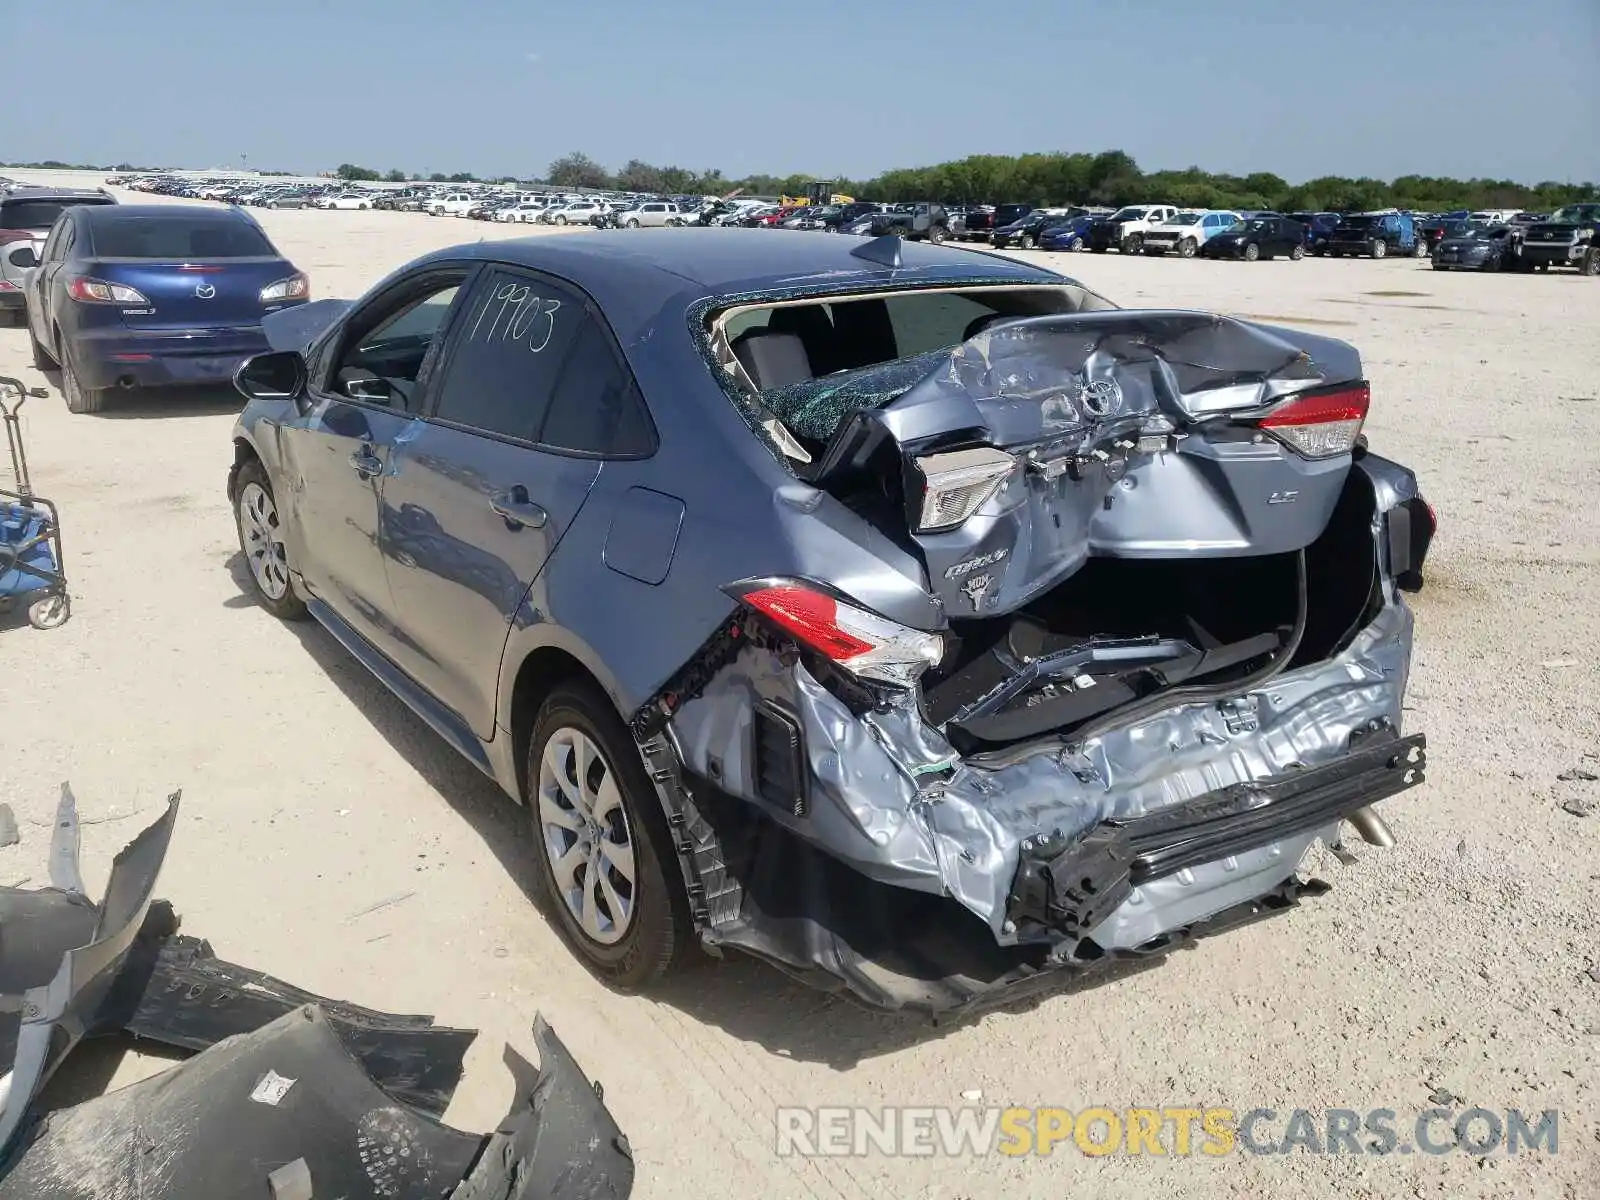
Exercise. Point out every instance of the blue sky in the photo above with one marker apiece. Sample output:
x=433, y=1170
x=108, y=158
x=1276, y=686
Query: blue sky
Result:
x=1352, y=87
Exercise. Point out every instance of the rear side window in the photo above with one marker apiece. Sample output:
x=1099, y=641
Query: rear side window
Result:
x=178, y=238
x=37, y=214
x=503, y=365
x=597, y=408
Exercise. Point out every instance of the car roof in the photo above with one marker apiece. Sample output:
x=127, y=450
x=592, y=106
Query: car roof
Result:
x=122, y=214
x=655, y=264
x=56, y=193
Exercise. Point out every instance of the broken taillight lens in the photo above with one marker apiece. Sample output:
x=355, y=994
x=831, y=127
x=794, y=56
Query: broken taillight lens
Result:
x=859, y=641
x=956, y=483
x=1320, y=424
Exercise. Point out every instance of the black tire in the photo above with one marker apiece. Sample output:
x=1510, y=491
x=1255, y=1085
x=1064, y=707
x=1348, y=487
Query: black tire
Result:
x=1133, y=243
x=288, y=607
x=936, y=234
x=1297, y=253
x=43, y=360
x=1378, y=248
x=1025, y=242
x=79, y=399
x=1591, y=262
x=659, y=933
x=1251, y=252
x=1075, y=245
x=1420, y=250
x=1187, y=248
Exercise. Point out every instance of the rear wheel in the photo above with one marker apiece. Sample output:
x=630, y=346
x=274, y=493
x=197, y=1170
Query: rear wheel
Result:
x=1252, y=252
x=1297, y=253
x=603, y=853
x=1420, y=250
x=79, y=399
x=1378, y=248
x=936, y=234
x=1591, y=262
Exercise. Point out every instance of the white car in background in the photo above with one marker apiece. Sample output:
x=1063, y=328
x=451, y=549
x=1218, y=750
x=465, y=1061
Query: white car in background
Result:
x=580, y=212
x=651, y=214
x=524, y=213
x=347, y=200
x=452, y=204
x=1187, y=231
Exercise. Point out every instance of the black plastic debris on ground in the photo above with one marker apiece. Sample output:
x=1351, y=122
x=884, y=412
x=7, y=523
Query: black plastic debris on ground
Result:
x=292, y=1095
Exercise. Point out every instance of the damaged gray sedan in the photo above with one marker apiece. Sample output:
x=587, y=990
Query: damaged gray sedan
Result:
x=914, y=619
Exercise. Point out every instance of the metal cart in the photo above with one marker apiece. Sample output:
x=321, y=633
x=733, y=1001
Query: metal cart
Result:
x=31, y=568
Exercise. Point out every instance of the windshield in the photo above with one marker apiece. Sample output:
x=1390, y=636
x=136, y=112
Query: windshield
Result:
x=1576, y=214
x=1128, y=214
x=37, y=214
x=1183, y=218
x=179, y=238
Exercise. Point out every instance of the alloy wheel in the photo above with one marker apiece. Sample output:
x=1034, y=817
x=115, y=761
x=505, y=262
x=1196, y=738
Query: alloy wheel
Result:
x=586, y=836
x=263, y=537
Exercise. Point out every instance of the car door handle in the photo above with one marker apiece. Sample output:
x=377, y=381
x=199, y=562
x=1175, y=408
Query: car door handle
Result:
x=366, y=463
x=517, y=510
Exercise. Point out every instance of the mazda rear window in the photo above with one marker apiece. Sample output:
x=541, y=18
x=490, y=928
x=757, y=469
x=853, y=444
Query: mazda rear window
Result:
x=179, y=238
x=37, y=214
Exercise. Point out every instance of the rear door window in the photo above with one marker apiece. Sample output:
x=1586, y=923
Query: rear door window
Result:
x=504, y=360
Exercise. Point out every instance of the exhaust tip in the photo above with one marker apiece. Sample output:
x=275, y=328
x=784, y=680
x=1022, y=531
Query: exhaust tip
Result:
x=125, y=381
x=1374, y=830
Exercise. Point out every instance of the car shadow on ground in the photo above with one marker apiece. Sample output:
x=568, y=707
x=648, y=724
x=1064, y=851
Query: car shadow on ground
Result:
x=745, y=998
x=137, y=403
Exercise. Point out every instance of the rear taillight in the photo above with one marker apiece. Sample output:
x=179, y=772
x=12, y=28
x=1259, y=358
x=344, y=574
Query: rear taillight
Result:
x=956, y=483
x=8, y=236
x=296, y=287
x=861, y=642
x=1321, y=424
x=96, y=291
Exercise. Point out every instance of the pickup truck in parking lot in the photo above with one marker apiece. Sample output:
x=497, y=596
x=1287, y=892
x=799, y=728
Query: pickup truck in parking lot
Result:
x=1375, y=235
x=1126, y=228
x=1570, y=237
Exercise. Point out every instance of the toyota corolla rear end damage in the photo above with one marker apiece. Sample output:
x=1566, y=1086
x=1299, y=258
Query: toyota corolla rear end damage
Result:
x=1130, y=641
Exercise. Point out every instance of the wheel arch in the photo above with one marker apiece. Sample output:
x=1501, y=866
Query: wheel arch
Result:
x=528, y=676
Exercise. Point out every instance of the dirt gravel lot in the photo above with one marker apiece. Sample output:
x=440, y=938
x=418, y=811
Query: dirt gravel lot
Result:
x=1464, y=960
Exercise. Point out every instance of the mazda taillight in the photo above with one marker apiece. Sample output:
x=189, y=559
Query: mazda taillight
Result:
x=956, y=483
x=96, y=291
x=1320, y=424
x=860, y=642
x=296, y=287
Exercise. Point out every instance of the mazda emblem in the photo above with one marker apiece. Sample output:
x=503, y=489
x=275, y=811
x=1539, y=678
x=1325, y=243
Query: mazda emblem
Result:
x=205, y=291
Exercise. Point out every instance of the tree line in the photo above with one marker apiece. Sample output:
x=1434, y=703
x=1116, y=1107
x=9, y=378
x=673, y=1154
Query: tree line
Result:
x=1111, y=177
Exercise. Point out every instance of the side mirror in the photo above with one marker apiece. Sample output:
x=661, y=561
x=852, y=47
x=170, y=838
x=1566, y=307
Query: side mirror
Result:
x=24, y=258
x=277, y=375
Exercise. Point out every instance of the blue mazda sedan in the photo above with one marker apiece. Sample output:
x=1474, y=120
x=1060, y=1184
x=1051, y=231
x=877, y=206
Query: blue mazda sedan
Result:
x=141, y=295
x=912, y=618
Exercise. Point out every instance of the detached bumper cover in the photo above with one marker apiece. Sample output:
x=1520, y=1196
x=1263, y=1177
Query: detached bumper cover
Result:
x=292, y=1096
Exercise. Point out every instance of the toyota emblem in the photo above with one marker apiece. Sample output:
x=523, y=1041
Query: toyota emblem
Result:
x=1101, y=398
x=205, y=291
